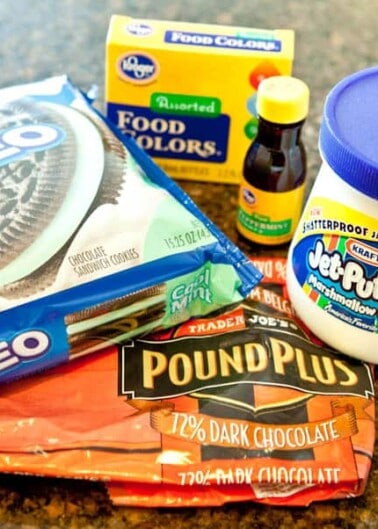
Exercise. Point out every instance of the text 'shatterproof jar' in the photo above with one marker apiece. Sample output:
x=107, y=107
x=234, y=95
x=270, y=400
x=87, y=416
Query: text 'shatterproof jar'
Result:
x=332, y=272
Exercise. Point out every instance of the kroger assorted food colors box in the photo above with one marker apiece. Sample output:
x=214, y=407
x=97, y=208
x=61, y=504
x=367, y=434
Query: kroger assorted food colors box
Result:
x=186, y=92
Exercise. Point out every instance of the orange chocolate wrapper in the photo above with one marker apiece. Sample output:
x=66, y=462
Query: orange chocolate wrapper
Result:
x=244, y=405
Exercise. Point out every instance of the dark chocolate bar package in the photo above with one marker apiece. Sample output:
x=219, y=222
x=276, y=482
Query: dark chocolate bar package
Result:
x=97, y=244
x=240, y=405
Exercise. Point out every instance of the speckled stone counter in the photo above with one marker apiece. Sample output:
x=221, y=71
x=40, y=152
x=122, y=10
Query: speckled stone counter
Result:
x=42, y=38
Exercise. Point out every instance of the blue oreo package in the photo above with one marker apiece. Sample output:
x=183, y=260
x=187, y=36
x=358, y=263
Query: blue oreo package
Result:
x=97, y=243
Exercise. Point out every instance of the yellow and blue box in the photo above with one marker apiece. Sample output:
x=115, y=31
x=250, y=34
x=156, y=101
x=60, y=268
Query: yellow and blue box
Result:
x=186, y=92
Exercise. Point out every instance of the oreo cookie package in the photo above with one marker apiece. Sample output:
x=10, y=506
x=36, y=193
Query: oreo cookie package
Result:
x=97, y=244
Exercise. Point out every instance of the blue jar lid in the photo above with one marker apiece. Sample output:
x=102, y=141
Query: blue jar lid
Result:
x=348, y=137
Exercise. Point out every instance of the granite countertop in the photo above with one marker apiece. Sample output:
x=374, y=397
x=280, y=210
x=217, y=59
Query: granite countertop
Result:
x=42, y=38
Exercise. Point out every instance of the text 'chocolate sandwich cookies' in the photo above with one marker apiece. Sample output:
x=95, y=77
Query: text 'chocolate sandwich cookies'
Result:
x=97, y=244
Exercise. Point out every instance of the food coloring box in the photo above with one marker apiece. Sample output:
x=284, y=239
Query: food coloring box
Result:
x=186, y=92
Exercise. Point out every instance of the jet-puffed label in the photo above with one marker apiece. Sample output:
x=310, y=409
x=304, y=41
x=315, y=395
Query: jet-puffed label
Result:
x=335, y=259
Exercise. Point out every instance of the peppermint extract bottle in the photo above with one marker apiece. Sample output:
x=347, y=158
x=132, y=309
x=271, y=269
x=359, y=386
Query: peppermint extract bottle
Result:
x=332, y=271
x=273, y=182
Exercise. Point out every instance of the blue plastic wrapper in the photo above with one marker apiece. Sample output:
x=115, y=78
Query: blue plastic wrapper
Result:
x=97, y=243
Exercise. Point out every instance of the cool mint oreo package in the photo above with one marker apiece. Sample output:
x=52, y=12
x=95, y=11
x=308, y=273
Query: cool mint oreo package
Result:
x=97, y=244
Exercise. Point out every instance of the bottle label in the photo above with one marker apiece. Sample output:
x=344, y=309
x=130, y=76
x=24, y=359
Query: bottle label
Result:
x=335, y=260
x=267, y=217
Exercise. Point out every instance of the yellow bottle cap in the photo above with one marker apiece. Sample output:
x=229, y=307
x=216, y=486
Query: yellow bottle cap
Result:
x=283, y=99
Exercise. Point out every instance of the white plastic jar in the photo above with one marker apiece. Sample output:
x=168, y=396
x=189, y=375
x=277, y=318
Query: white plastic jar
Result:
x=332, y=270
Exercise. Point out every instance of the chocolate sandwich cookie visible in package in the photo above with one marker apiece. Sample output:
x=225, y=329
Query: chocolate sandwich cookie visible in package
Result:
x=242, y=404
x=97, y=244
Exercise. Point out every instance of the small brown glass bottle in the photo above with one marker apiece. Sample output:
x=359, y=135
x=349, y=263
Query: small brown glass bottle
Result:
x=272, y=187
